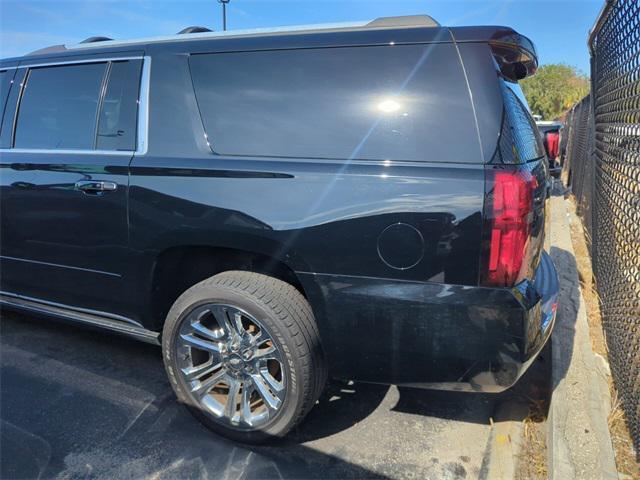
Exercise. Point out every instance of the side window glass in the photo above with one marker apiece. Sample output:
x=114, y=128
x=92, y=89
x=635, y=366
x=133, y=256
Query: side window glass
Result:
x=118, y=115
x=5, y=83
x=523, y=137
x=13, y=93
x=59, y=107
x=378, y=103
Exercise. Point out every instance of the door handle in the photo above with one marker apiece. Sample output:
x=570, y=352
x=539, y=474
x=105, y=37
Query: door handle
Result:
x=95, y=187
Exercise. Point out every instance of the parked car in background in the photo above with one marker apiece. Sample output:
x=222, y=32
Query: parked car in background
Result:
x=551, y=132
x=365, y=201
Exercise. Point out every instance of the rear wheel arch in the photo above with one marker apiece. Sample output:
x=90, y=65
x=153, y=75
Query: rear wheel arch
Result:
x=177, y=268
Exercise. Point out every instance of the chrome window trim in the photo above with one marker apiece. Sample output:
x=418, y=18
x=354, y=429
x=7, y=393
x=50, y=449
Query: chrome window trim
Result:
x=66, y=152
x=142, y=143
x=16, y=110
x=142, y=139
x=106, y=77
x=78, y=62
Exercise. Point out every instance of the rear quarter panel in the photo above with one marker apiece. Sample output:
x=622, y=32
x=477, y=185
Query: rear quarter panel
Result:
x=323, y=216
x=319, y=217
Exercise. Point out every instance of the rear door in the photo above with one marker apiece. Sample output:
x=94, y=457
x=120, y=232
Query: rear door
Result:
x=70, y=131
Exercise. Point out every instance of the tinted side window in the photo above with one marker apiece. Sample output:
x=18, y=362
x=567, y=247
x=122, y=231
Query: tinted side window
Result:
x=520, y=139
x=118, y=115
x=5, y=83
x=6, y=79
x=392, y=102
x=13, y=80
x=58, y=107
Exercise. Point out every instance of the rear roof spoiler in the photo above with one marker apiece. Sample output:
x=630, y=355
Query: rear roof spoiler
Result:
x=514, y=53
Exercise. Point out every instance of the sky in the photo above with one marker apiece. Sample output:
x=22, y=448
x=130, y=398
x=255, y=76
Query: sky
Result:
x=559, y=28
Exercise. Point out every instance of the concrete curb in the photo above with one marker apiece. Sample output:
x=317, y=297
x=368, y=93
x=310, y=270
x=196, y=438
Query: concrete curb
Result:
x=578, y=439
x=505, y=441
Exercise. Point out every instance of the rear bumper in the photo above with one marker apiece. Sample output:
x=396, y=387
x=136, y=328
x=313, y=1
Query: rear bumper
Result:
x=431, y=335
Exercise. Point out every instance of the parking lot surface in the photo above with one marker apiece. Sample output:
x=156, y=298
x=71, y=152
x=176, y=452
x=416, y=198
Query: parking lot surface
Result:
x=77, y=403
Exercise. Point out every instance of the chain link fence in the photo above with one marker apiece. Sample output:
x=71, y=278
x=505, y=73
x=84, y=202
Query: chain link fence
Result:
x=579, y=163
x=602, y=166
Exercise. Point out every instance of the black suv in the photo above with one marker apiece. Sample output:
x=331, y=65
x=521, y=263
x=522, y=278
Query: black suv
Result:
x=365, y=201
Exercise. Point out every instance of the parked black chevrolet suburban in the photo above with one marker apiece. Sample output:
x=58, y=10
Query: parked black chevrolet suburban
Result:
x=364, y=200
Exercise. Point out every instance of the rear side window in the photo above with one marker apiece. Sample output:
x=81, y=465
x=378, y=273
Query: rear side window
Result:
x=5, y=83
x=58, y=107
x=4, y=87
x=80, y=107
x=393, y=102
x=118, y=115
x=11, y=84
x=520, y=139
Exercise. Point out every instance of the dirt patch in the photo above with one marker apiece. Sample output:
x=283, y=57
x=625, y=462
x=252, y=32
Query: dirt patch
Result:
x=587, y=281
x=532, y=462
x=620, y=436
x=535, y=392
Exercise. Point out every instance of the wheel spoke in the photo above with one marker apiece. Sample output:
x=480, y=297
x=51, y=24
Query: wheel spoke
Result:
x=271, y=400
x=257, y=338
x=231, y=405
x=222, y=316
x=203, y=388
x=193, y=341
x=274, y=384
x=198, y=371
x=200, y=329
x=266, y=353
x=247, y=388
x=237, y=320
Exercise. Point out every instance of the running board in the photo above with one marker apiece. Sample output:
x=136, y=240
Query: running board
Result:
x=121, y=325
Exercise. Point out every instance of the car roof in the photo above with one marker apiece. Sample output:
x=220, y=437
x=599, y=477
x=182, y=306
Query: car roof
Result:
x=98, y=43
x=384, y=30
x=548, y=123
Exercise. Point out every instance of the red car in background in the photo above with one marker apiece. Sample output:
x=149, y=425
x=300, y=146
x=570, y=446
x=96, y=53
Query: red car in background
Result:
x=550, y=132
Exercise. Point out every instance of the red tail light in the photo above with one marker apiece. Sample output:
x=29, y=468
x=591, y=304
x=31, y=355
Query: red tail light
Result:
x=508, y=217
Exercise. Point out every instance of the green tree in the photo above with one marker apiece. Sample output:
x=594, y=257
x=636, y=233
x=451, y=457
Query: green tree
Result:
x=554, y=89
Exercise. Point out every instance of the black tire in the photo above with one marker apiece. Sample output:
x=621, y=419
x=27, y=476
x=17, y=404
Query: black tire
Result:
x=287, y=317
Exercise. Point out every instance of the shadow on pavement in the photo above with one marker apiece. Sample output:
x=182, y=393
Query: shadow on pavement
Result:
x=568, y=305
x=77, y=403
x=568, y=300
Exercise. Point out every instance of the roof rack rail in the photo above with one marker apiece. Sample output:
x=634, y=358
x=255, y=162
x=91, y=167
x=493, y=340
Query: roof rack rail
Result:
x=409, y=21
x=194, y=29
x=50, y=49
x=96, y=39
x=63, y=48
x=404, y=21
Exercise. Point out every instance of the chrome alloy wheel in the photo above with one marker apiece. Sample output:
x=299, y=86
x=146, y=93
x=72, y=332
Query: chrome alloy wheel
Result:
x=231, y=366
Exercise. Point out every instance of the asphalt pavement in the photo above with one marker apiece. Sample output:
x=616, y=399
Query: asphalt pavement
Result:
x=77, y=403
